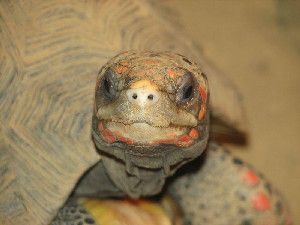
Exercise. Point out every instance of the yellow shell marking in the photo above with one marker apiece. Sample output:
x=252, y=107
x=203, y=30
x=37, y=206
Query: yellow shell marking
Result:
x=125, y=212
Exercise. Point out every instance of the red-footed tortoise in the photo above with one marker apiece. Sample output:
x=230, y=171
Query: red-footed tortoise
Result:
x=51, y=53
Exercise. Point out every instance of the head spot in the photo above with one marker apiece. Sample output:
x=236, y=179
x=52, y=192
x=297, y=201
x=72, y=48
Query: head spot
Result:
x=172, y=73
x=120, y=69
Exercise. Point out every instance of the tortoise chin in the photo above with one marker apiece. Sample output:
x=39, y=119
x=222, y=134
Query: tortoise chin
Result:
x=142, y=133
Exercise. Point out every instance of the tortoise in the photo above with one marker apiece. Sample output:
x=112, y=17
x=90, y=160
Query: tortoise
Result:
x=51, y=53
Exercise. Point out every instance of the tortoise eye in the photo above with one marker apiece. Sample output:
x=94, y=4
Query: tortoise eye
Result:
x=186, y=88
x=110, y=85
x=107, y=85
x=187, y=93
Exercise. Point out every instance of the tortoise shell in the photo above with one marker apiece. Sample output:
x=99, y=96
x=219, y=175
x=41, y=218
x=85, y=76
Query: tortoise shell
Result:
x=51, y=53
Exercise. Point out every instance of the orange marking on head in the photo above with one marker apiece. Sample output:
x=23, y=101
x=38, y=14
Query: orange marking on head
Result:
x=126, y=140
x=194, y=133
x=184, y=141
x=202, y=93
x=202, y=113
x=251, y=178
x=120, y=138
x=261, y=202
x=184, y=138
x=121, y=69
x=107, y=135
x=124, y=63
x=203, y=96
x=172, y=73
x=129, y=141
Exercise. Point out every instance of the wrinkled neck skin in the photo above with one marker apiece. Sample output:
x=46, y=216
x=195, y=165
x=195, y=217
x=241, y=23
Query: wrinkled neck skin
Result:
x=141, y=171
x=134, y=181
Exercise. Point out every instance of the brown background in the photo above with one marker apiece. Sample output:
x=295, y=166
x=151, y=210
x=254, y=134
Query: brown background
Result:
x=257, y=43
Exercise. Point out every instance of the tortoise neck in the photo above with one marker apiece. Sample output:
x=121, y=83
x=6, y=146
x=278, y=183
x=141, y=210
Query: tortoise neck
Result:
x=134, y=181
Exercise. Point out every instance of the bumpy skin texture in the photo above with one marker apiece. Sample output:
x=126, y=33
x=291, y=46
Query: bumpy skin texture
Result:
x=218, y=188
x=150, y=118
x=73, y=214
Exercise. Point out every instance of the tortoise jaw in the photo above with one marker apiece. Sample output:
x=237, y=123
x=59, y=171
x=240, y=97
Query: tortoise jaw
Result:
x=143, y=134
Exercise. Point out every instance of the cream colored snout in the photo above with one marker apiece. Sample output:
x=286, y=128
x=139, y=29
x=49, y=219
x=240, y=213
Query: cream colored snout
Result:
x=143, y=93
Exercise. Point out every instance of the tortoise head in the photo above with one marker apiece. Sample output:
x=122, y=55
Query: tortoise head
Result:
x=151, y=108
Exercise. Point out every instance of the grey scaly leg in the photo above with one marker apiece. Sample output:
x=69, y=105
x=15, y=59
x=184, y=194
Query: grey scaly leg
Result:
x=73, y=214
x=219, y=189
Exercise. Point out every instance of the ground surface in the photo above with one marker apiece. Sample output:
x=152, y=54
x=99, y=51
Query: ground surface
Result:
x=257, y=43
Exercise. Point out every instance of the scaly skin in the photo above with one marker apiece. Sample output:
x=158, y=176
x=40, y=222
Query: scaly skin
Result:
x=221, y=189
x=150, y=118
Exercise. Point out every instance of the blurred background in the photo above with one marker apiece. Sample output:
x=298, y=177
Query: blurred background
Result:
x=257, y=44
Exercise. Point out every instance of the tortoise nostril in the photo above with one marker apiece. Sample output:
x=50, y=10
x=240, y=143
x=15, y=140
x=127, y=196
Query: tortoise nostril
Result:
x=134, y=96
x=142, y=97
x=150, y=97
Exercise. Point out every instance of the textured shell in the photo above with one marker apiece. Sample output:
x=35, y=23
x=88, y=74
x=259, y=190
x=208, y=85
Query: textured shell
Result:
x=50, y=54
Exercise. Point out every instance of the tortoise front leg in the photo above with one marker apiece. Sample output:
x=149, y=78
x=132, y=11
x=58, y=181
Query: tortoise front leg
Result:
x=73, y=214
x=219, y=189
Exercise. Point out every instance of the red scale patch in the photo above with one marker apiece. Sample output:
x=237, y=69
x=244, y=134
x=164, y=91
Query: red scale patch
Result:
x=172, y=73
x=261, y=202
x=111, y=137
x=125, y=140
x=121, y=69
x=106, y=134
x=251, y=178
x=184, y=141
x=194, y=133
x=203, y=96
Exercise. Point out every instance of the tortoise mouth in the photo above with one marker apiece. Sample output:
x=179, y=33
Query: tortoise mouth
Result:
x=143, y=133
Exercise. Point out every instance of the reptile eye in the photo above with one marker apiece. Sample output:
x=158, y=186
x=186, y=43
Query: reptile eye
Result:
x=109, y=84
x=185, y=91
